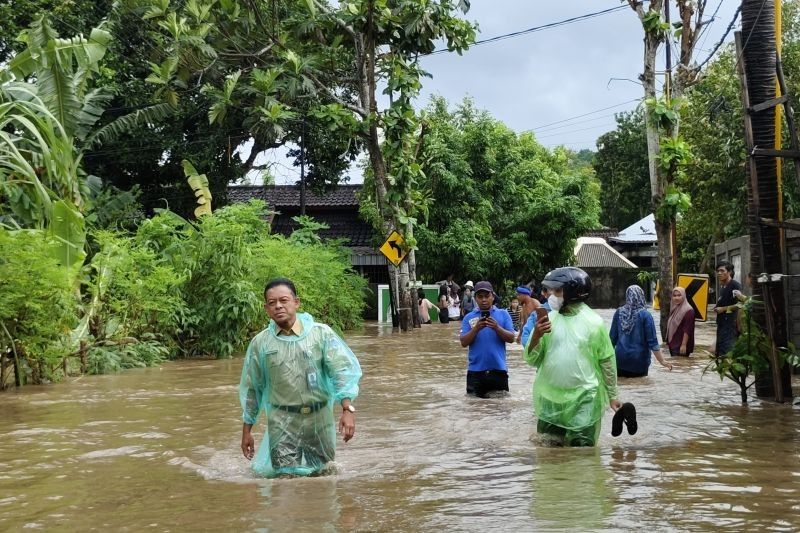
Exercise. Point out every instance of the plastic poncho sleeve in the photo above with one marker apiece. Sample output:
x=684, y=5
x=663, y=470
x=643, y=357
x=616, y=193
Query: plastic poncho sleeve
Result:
x=251, y=385
x=608, y=367
x=534, y=356
x=343, y=367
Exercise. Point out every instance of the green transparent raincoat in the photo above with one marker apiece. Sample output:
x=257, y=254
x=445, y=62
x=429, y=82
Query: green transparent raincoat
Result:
x=296, y=380
x=577, y=371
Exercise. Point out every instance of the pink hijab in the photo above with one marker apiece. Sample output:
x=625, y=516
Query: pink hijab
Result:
x=676, y=313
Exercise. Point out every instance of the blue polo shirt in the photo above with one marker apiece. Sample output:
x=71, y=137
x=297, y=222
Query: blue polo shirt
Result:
x=488, y=350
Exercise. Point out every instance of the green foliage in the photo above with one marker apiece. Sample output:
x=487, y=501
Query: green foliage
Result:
x=751, y=352
x=644, y=278
x=498, y=199
x=306, y=233
x=621, y=167
x=652, y=23
x=37, y=307
x=665, y=113
x=326, y=285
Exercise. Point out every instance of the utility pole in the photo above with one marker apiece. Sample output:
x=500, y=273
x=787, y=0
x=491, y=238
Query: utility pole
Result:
x=303, y=166
x=673, y=231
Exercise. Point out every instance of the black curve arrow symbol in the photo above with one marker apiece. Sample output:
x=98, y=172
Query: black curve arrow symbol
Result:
x=694, y=286
x=393, y=244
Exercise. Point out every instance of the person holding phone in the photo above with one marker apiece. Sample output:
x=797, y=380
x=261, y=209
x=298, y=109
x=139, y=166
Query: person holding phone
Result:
x=486, y=330
x=577, y=375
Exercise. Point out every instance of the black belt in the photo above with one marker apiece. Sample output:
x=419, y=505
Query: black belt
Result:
x=303, y=409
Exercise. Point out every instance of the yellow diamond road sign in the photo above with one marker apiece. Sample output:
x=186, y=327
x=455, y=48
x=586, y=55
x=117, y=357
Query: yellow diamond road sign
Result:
x=696, y=286
x=393, y=248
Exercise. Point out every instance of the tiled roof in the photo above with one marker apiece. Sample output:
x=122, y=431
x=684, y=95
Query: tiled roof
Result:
x=343, y=225
x=604, y=233
x=593, y=252
x=278, y=196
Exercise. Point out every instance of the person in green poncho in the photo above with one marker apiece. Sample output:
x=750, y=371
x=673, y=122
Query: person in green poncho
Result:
x=296, y=370
x=577, y=375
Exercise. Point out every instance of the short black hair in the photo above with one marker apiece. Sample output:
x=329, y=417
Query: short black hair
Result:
x=727, y=265
x=277, y=282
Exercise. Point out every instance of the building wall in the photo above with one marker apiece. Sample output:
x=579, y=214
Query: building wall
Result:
x=792, y=284
x=737, y=251
x=609, y=285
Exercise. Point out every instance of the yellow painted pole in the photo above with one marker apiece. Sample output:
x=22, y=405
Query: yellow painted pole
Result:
x=779, y=118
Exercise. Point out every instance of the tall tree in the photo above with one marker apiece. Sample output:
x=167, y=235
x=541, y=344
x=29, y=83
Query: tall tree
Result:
x=497, y=199
x=621, y=166
x=667, y=153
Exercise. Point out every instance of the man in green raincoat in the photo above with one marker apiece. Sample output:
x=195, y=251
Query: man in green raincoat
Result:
x=296, y=370
x=577, y=375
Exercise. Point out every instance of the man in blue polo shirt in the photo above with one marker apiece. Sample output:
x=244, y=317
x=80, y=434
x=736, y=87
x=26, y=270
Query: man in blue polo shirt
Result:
x=486, y=330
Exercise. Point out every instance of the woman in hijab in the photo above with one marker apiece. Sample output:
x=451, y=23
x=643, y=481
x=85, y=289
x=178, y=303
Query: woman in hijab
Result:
x=680, y=328
x=633, y=334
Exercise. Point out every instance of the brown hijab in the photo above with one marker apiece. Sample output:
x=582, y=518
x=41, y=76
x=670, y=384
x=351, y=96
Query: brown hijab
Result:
x=677, y=312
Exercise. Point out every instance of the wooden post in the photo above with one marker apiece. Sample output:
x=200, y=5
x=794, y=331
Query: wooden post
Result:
x=753, y=219
x=84, y=362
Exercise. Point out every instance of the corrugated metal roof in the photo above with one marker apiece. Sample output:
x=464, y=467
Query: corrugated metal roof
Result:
x=641, y=231
x=594, y=252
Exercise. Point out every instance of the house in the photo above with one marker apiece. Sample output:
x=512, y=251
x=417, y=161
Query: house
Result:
x=610, y=271
x=638, y=242
x=337, y=208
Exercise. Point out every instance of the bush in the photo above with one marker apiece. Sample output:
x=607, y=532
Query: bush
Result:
x=326, y=285
x=37, y=306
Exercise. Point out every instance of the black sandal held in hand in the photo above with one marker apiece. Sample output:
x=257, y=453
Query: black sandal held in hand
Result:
x=626, y=413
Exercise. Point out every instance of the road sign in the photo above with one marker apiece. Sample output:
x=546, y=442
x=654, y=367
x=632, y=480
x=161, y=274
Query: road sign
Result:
x=696, y=286
x=393, y=248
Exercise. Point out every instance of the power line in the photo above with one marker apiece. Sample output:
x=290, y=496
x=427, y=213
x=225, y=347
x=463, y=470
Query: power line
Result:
x=581, y=115
x=539, y=28
x=708, y=25
x=601, y=117
x=724, y=36
x=572, y=131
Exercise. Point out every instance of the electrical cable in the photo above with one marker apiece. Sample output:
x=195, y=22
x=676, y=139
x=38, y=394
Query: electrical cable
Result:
x=581, y=115
x=534, y=29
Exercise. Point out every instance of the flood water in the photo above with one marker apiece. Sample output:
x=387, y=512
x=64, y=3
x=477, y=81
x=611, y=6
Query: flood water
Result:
x=158, y=449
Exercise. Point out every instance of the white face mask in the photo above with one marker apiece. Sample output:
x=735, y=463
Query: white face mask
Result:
x=555, y=302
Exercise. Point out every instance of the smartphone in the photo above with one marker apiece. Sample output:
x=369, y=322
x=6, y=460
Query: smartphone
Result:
x=541, y=314
x=485, y=315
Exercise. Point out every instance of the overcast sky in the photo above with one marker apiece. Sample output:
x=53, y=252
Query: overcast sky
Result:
x=551, y=76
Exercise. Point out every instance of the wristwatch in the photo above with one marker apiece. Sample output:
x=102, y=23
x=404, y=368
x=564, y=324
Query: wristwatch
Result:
x=349, y=408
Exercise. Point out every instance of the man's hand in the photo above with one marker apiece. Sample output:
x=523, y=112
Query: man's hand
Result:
x=248, y=442
x=720, y=310
x=682, y=350
x=347, y=425
x=542, y=326
x=615, y=404
x=490, y=323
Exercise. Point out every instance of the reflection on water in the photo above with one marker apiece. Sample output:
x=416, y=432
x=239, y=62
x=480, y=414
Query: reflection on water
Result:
x=159, y=448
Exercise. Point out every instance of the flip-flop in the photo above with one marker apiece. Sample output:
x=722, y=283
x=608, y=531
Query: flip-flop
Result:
x=627, y=414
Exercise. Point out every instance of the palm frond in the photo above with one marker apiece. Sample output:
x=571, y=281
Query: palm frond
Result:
x=150, y=115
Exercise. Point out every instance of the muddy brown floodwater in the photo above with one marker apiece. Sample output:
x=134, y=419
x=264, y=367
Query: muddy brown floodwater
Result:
x=158, y=449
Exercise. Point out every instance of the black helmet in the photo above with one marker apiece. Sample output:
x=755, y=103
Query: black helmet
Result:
x=575, y=282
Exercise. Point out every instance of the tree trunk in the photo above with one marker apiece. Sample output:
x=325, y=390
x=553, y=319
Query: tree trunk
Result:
x=657, y=180
x=766, y=245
